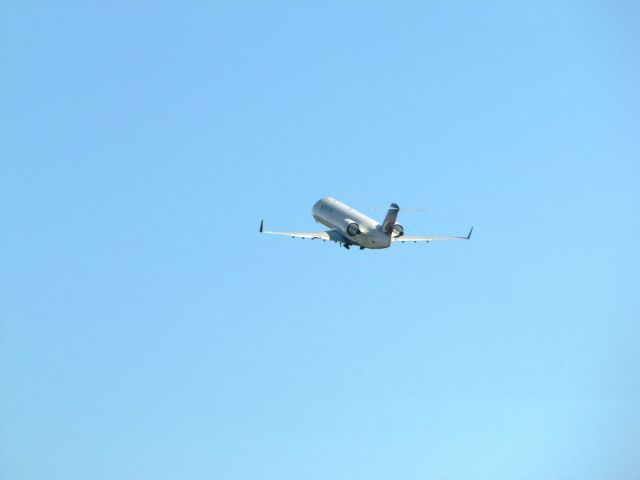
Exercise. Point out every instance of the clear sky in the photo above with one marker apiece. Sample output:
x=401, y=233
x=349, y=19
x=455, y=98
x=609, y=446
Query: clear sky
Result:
x=148, y=331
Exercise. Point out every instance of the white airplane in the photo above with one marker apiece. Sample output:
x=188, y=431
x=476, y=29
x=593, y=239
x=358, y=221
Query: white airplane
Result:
x=350, y=227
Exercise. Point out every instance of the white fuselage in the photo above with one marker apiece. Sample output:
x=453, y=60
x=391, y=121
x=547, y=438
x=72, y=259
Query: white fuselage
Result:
x=336, y=215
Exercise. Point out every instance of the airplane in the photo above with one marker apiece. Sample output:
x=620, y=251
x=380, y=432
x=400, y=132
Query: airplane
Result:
x=349, y=227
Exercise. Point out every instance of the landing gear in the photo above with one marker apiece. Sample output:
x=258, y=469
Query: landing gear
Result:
x=346, y=245
x=361, y=248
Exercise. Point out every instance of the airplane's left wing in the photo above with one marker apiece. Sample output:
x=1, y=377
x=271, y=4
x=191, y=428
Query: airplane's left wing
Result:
x=425, y=238
x=329, y=235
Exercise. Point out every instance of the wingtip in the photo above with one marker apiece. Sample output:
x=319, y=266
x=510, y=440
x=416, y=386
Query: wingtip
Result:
x=261, y=225
x=470, y=232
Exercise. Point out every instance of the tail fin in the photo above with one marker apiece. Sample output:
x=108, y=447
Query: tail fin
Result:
x=390, y=219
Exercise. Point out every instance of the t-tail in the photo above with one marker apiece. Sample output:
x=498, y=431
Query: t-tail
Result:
x=390, y=219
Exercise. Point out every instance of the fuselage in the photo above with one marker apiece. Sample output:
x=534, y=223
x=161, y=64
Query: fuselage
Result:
x=355, y=227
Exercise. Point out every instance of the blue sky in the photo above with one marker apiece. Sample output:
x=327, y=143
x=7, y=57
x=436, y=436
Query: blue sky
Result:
x=148, y=331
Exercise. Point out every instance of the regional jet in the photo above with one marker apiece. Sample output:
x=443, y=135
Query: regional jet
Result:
x=349, y=227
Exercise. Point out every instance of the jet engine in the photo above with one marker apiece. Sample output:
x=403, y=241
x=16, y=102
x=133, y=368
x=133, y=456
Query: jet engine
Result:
x=398, y=231
x=353, y=229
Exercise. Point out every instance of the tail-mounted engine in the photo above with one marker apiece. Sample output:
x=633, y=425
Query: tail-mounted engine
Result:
x=353, y=229
x=398, y=231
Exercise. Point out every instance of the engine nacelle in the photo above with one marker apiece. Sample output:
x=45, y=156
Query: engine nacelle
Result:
x=353, y=229
x=398, y=230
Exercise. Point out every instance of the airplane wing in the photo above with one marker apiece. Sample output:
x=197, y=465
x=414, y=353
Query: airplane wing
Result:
x=425, y=238
x=331, y=235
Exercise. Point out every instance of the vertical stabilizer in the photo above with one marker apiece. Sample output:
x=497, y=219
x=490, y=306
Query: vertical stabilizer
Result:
x=390, y=219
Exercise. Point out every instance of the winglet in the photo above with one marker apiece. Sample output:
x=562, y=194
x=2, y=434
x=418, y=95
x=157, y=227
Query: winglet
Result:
x=468, y=236
x=261, y=225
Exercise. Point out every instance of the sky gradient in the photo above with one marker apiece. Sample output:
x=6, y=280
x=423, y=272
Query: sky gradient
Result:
x=147, y=331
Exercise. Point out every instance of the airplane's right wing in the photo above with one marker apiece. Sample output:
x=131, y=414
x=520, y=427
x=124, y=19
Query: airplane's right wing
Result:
x=331, y=235
x=425, y=238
